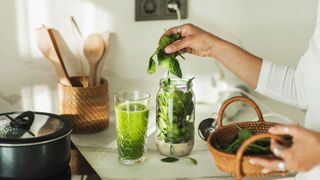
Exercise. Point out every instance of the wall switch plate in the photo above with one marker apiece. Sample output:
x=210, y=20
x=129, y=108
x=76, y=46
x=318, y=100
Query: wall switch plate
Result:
x=158, y=10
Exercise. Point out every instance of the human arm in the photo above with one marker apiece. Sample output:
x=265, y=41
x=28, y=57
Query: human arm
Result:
x=281, y=82
x=199, y=42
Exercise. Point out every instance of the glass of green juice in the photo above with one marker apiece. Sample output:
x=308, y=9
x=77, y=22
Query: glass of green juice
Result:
x=132, y=112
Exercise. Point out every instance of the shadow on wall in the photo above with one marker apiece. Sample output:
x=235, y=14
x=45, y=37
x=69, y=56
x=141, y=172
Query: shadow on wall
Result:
x=129, y=47
x=29, y=81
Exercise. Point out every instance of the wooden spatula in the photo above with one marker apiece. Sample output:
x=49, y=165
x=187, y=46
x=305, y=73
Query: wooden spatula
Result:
x=106, y=38
x=47, y=44
x=93, y=50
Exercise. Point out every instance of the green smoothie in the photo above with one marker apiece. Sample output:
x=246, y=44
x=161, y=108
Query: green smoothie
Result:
x=132, y=123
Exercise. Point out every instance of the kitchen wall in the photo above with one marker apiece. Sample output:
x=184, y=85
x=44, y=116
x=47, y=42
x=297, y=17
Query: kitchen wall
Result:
x=278, y=30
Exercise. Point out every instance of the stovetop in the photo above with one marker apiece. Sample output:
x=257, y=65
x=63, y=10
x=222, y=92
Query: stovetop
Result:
x=79, y=168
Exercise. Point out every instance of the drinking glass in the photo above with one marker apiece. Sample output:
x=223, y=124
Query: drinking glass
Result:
x=132, y=112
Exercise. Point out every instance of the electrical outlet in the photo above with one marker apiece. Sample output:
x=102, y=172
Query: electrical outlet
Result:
x=158, y=10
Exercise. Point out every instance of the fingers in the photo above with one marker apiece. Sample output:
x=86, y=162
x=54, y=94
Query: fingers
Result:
x=279, y=150
x=178, y=45
x=283, y=130
x=187, y=50
x=268, y=165
x=182, y=29
x=172, y=30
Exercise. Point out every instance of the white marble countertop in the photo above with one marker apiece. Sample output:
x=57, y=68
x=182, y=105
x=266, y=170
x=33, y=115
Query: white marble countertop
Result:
x=100, y=149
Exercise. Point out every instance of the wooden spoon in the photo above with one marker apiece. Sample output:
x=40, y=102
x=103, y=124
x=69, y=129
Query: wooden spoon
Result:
x=106, y=38
x=93, y=50
x=47, y=44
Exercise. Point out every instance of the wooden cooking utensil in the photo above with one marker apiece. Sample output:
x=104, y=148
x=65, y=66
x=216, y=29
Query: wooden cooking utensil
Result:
x=106, y=38
x=47, y=44
x=93, y=50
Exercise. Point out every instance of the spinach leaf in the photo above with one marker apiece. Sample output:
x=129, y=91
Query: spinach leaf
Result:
x=192, y=160
x=189, y=83
x=165, y=41
x=258, y=148
x=152, y=66
x=175, y=36
x=166, y=82
x=170, y=159
x=174, y=67
x=189, y=104
x=166, y=61
x=243, y=134
x=174, y=110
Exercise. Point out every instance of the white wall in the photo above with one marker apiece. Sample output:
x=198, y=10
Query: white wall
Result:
x=273, y=29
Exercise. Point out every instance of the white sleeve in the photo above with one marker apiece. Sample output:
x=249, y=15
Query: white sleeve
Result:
x=283, y=83
x=291, y=84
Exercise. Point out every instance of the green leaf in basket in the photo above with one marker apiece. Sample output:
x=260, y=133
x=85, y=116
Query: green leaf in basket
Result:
x=260, y=147
x=243, y=135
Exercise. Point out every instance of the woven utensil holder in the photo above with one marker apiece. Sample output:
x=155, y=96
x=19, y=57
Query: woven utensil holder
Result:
x=87, y=108
x=238, y=164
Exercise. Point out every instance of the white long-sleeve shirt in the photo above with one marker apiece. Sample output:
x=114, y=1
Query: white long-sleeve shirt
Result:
x=299, y=86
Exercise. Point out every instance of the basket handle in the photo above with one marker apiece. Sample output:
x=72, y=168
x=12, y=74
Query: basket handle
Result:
x=243, y=147
x=234, y=99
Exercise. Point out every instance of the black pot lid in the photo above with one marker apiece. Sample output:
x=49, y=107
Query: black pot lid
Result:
x=26, y=128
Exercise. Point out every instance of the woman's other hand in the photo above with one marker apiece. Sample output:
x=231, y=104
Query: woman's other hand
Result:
x=303, y=155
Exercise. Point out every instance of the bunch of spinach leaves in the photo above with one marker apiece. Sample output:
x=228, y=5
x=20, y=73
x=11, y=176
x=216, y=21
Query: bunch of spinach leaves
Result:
x=166, y=61
x=260, y=147
x=174, y=113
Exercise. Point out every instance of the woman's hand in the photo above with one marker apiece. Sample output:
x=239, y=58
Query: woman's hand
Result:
x=195, y=41
x=303, y=155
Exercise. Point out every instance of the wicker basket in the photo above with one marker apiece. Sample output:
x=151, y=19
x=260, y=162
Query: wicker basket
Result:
x=238, y=164
x=86, y=107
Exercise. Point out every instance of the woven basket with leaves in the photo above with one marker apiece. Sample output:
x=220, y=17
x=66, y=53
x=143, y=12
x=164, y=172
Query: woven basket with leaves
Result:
x=238, y=164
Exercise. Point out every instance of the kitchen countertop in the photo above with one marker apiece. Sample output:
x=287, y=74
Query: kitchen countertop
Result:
x=99, y=149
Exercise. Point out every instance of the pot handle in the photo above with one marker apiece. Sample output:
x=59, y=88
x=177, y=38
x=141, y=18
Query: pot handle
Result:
x=243, y=147
x=25, y=120
x=235, y=99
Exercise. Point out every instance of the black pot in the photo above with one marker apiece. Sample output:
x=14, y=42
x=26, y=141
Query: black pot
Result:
x=33, y=144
